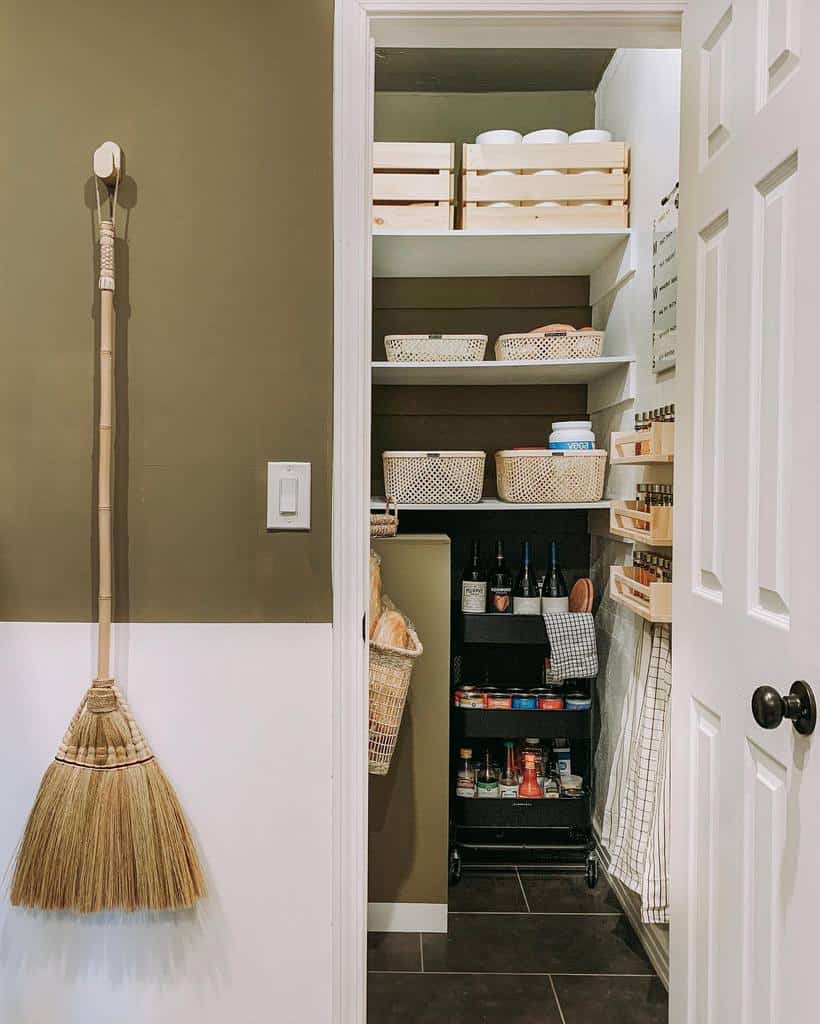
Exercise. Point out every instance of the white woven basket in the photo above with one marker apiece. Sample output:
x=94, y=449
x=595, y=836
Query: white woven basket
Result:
x=434, y=477
x=390, y=669
x=435, y=348
x=538, y=475
x=575, y=345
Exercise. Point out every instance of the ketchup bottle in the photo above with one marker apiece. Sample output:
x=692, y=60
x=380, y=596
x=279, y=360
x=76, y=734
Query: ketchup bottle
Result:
x=529, y=786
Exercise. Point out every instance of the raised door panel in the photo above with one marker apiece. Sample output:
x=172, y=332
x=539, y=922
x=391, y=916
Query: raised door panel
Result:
x=763, y=910
x=771, y=437
x=710, y=441
x=715, y=88
x=704, y=836
x=779, y=33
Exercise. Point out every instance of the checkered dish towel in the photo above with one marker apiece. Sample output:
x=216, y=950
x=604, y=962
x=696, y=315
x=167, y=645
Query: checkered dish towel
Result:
x=573, y=651
x=636, y=818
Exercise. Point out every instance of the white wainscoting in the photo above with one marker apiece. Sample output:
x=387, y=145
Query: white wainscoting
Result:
x=240, y=717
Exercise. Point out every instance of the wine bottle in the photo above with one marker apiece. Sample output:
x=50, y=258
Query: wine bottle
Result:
x=554, y=594
x=474, y=583
x=526, y=599
x=500, y=582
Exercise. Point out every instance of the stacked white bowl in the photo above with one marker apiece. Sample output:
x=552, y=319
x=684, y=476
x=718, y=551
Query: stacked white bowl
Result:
x=498, y=137
x=545, y=136
x=590, y=135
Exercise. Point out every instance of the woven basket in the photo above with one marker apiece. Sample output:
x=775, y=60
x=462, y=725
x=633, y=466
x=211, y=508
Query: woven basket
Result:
x=575, y=345
x=435, y=348
x=434, y=477
x=389, y=680
x=385, y=524
x=541, y=476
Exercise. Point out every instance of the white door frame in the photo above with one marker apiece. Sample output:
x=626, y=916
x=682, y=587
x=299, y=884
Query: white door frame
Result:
x=358, y=23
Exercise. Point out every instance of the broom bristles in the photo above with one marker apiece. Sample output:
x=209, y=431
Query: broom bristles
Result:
x=106, y=831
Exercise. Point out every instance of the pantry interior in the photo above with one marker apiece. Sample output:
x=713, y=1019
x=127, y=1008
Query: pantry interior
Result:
x=506, y=280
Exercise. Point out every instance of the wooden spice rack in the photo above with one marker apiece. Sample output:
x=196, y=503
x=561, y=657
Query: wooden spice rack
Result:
x=591, y=173
x=413, y=186
x=652, y=601
x=657, y=444
x=653, y=528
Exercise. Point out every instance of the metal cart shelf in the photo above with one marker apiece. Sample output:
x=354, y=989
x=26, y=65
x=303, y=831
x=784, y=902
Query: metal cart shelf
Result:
x=549, y=832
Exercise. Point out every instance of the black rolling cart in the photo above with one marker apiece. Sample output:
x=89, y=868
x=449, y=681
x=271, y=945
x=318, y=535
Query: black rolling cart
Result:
x=506, y=651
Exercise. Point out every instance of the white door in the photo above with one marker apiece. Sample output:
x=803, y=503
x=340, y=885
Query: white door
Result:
x=745, y=942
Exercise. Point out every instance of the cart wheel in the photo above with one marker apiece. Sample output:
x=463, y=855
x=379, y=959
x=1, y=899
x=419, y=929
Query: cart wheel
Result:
x=592, y=871
x=454, y=874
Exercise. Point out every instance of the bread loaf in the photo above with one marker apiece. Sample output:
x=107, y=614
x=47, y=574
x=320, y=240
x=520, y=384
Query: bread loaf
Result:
x=553, y=329
x=375, y=593
x=391, y=630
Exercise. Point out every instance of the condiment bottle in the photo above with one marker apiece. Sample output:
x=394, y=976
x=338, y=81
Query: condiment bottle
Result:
x=529, y=786
x=508, y=783
x=465, y=781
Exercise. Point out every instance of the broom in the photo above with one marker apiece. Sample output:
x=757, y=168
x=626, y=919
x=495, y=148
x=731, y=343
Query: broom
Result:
x=106, y=831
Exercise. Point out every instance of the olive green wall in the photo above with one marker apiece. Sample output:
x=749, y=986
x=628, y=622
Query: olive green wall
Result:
x=224, y=330
x=409, y=806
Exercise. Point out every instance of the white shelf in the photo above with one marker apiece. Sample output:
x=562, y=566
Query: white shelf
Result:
x=488, y=253
x=492, y=505
x=521, y=371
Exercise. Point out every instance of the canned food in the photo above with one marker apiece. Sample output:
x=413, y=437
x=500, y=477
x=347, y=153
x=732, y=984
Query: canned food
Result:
x=500, y=700
x=469, y=697
x=578, y=702
x=550, y=703
x=524, y=700
x=549, y=698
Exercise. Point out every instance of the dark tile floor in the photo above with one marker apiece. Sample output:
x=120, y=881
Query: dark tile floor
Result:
x=522, y=948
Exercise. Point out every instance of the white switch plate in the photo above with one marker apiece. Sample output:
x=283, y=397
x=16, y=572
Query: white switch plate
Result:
x=288, y=488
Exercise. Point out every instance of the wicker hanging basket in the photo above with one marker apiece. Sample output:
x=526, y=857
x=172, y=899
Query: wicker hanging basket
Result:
x=389, y=680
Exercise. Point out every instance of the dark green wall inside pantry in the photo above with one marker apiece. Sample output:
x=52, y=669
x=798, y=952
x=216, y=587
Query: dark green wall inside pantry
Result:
x=486, y=418
x=566, y=526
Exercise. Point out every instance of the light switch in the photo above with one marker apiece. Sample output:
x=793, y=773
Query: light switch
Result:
x=288, y=496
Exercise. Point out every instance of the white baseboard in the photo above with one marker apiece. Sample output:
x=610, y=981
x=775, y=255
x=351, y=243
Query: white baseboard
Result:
x=407, y=917
x=653, y=937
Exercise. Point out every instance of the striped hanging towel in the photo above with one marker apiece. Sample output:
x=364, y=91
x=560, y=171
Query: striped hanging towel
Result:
x=636, y=819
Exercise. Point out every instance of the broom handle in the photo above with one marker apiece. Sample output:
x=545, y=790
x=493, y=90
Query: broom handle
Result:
x=104, y=502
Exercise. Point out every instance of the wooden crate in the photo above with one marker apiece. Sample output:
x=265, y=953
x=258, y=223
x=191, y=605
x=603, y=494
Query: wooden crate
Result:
x=657, y=444
x=652, y=601
x=413, y=185
x=609, y=183
x=653, y=527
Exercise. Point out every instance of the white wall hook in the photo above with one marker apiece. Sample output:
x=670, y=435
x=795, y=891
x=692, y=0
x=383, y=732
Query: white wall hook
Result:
x=108, y=162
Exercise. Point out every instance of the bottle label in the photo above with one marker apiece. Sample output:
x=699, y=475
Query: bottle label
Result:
x=487, y=789
x=527, y=605
x=465, y=787
x=473, y=596
x=500, y=599
x=572, y=446
x=554, y=604
x=508, y=792
x=563, y=763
